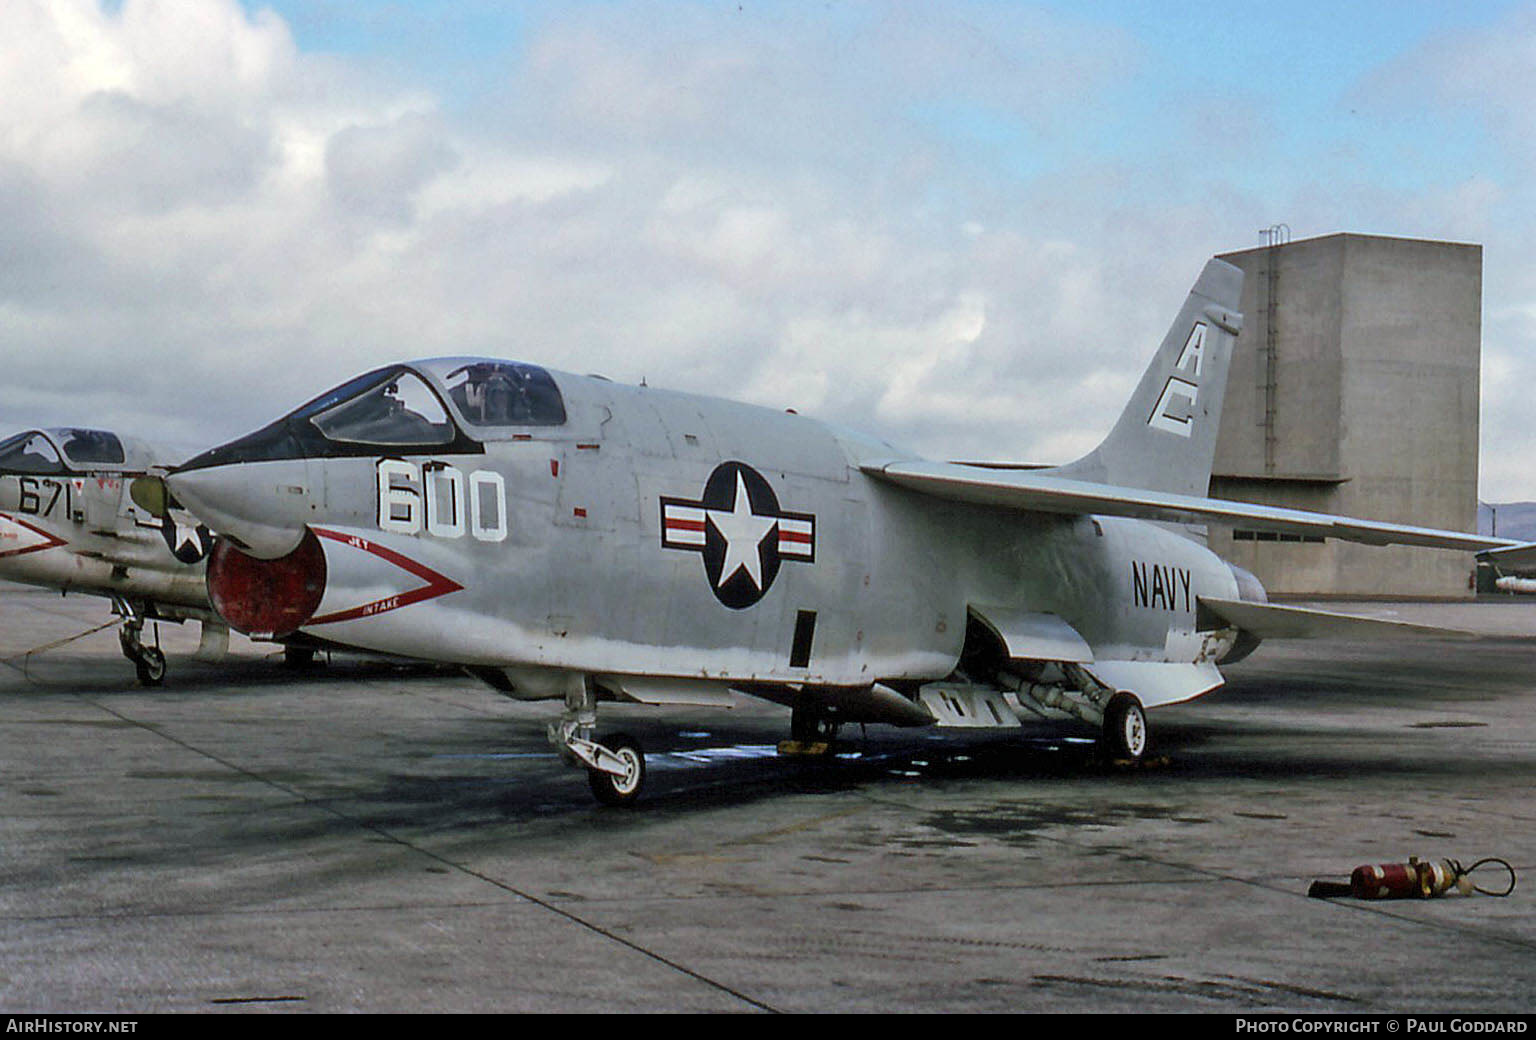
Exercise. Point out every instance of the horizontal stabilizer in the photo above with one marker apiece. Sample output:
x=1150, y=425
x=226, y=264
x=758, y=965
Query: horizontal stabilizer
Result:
x=1269, y=621
x=1036, y=491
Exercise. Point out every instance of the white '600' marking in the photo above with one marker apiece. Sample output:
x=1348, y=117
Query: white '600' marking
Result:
x=437, y=498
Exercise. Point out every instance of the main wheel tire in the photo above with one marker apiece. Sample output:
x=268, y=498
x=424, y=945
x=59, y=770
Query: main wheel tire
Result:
x=1126, y=735
x=150, y=664
x=612, y=789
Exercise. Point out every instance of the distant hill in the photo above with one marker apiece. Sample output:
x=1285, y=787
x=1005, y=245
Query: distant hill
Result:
x=1514, y=520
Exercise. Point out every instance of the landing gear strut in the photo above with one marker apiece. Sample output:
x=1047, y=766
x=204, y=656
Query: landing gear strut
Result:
x=148, y=661
x=299, y=658
x=1119, y=715
x=809, y=726
x=616, y=766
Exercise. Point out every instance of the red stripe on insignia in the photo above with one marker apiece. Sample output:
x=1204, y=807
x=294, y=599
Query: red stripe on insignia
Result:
x=794, y=536
x=436, y=584
x=685, y=525
x=50, y=541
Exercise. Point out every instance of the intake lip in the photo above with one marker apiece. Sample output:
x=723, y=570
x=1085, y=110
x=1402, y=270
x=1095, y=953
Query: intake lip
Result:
x=271, y=598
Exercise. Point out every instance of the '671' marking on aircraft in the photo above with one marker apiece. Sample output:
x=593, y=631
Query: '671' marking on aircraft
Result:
x=546, y=531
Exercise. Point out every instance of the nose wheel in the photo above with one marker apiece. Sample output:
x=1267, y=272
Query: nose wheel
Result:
x=615, y=766
x=150, y=666
x=148, y=661
x=622, y=788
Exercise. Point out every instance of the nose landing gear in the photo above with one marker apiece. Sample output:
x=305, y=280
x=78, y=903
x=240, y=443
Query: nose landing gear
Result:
x=616, y=766
x=148, y=661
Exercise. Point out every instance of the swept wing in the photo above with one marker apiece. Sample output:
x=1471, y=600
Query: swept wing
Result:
x=1042, y=492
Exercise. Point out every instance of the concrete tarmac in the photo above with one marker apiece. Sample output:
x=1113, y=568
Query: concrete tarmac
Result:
x=366, y=837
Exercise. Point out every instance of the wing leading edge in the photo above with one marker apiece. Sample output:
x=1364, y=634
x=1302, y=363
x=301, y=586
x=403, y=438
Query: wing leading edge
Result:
x=1039, y=492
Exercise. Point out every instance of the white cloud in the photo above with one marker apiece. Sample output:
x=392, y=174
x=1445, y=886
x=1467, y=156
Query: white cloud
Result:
x=205, y=224
x=709, y=206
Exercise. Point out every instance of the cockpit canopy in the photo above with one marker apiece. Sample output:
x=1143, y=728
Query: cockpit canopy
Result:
x=500, y=393
x=62, y=450
x=446, y=404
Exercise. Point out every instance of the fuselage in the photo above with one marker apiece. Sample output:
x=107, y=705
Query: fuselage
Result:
x=656, y=533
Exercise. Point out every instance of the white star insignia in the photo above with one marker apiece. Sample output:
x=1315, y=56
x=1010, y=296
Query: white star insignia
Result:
x=743, y=531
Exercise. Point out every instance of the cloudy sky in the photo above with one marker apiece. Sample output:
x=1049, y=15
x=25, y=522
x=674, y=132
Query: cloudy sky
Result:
x=963, y=226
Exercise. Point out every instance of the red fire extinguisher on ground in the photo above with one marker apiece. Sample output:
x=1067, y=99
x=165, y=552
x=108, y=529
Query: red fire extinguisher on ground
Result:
x=1416, y=879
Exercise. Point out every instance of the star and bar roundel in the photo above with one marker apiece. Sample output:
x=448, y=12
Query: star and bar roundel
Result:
x=739, y=529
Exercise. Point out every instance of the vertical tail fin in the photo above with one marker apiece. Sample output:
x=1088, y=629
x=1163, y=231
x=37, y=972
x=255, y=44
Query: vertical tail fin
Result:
x=1165, y=440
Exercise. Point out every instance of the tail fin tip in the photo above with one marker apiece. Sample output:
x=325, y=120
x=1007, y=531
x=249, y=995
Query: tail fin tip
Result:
x=1165, y=439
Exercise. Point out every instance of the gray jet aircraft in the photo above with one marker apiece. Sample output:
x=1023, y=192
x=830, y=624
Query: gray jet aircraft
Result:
x=69, y=521
x=1514, y=568
x=87, y=511
x=570, y=538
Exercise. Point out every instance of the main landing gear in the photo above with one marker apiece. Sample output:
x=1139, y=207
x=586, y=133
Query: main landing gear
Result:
x=615, y=766
x=1126, y=736
x=811, y=731
x=299, y=658
x=148, y=661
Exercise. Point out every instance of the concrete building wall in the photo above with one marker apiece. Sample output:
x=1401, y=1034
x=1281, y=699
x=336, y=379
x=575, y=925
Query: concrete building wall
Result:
x=1354, y=389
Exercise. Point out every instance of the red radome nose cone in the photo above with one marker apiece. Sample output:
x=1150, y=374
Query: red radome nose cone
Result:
x=267, y=597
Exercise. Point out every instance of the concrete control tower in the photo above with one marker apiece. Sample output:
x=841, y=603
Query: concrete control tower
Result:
x=1354, y=389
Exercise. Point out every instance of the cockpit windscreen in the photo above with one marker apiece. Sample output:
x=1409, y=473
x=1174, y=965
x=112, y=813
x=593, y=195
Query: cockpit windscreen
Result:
x=398, y=410
x=29, y=453
x=87, y=447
